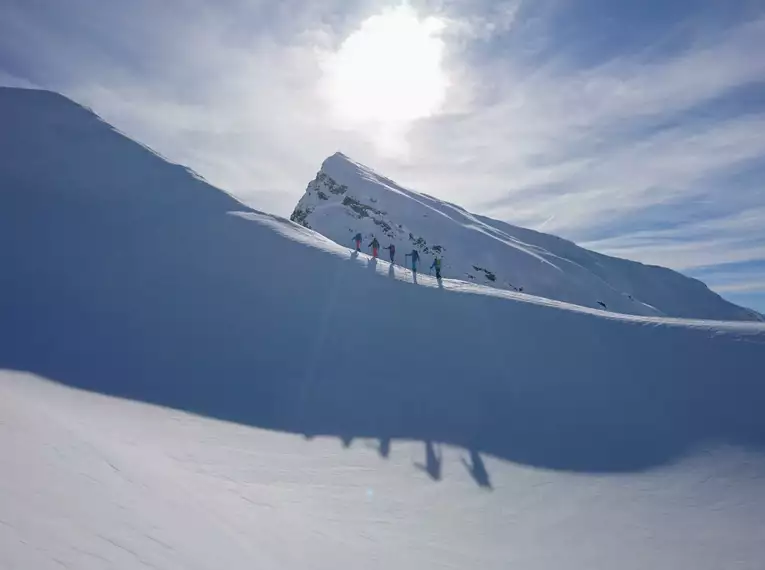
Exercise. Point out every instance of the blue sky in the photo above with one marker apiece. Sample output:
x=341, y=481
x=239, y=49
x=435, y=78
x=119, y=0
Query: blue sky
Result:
x=634, y=128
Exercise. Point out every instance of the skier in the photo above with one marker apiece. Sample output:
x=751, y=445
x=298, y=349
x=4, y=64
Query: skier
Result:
x=437, y=265
x=375, y=245
x=392, y=249
x=357, y=239
x=415, y=255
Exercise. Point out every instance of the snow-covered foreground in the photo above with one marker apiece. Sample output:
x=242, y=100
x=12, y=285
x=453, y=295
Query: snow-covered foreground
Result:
x=95, y=482
x=589, y=439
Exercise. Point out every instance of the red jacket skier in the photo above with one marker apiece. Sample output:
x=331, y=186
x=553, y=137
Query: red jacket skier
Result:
x=375, y=245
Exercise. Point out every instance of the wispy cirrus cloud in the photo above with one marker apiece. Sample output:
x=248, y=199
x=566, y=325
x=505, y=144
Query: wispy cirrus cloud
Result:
x=727, y=253
x=655, y=157
x=638, y=130
x=554, y=137
x=728, y=240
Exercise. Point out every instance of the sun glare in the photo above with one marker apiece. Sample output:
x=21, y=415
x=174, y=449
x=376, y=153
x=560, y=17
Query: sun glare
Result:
x=388, y=72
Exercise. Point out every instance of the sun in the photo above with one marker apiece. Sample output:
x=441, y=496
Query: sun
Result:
x=388, y=72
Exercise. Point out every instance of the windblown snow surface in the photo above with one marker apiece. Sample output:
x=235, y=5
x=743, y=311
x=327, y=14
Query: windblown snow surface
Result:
x=346, y=198
x=187, y=383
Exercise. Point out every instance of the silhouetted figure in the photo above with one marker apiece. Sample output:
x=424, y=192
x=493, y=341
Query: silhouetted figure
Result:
x=478, y=469
x=432, y=462
x=357, y=239
x=384, y=448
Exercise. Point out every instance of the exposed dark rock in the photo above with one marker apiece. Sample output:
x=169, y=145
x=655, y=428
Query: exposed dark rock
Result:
x=299, y=216
x=330, y=184
x=363, y=210
x=387, y=230
x=489, y=275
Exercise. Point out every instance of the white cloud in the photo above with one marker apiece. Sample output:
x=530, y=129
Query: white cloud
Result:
x=10, y=80
x=741, y=286
x=586, y=133
x=385, y=75
x=480, y=22
x=736, y=238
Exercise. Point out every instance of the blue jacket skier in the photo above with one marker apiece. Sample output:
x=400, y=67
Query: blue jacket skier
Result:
x=357, y=239
x=415, y=255
x=437, y=265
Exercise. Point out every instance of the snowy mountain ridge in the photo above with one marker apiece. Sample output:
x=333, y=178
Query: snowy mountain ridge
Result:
x=347, y=197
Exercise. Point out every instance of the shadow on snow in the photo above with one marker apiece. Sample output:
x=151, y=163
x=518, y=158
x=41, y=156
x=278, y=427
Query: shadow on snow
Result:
x=124, y=275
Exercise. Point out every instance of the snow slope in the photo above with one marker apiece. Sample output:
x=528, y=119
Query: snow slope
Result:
x=479, y=427
x=347, y=197
x=91, y=482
